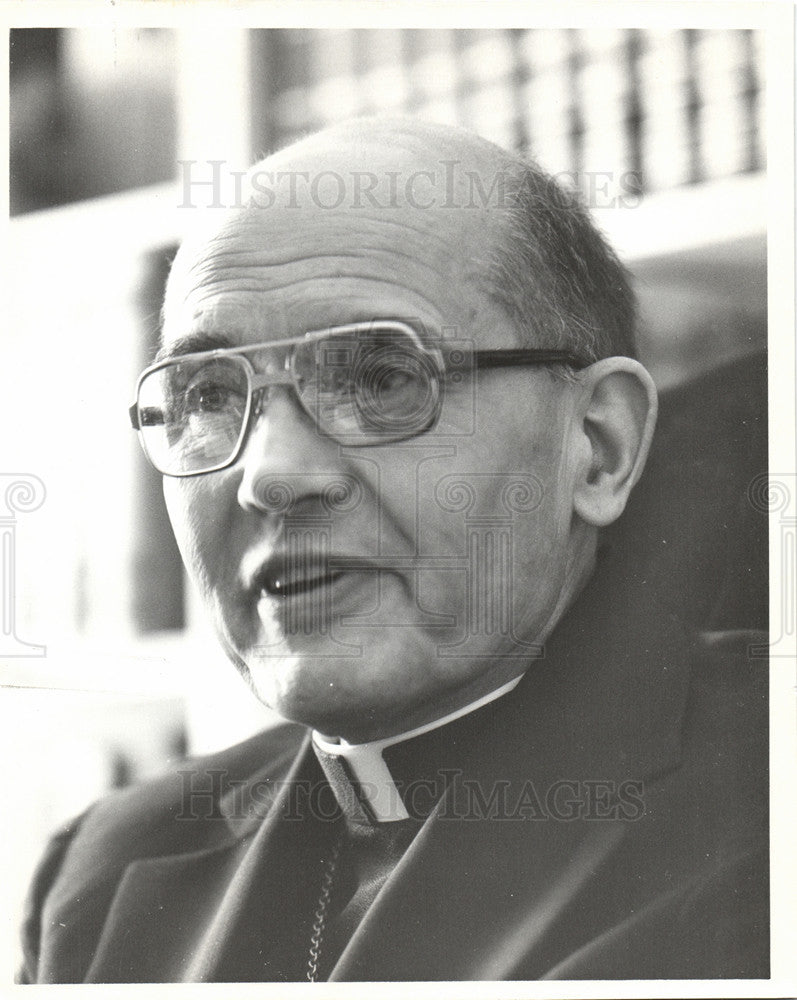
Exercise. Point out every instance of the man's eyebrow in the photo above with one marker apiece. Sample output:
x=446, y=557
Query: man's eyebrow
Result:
x=191, y=343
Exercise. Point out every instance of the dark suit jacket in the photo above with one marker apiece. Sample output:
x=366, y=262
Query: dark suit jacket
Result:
x=135, y=891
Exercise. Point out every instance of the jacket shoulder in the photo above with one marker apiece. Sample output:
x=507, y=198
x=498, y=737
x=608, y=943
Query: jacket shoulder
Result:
x=721, y=786
x=85, y=859
x=728, y=707
x=685, y=895
x=144, y=820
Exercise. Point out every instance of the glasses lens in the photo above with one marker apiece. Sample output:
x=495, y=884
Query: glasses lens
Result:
x=369, y=387
x=192, y=414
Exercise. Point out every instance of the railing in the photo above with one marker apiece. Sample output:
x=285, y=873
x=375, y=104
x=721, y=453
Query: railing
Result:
x=670, y=107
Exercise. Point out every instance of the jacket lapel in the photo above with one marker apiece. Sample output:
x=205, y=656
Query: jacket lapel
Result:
x=234, y=913
x=471, y=899
x=501, y=896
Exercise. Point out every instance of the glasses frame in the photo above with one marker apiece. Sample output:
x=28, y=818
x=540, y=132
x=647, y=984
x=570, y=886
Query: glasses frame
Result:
x=258, y=382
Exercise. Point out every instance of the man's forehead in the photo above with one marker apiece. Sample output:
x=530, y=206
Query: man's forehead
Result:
x=343, y=196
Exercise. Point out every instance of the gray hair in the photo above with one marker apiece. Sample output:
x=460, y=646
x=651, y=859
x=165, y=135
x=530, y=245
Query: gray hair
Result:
x=556, y=275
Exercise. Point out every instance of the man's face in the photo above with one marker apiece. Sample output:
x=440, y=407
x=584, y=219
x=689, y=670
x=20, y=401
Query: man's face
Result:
x=462, y=535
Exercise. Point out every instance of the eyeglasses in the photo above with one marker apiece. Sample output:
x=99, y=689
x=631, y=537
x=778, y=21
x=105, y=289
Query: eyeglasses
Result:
x=362, y=384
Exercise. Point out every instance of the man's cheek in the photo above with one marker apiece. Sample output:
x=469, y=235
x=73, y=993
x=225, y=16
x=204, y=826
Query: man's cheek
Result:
x=195, y=530
x=539, y=569
x=442, y=593
x=179, y=508
x=539, y=544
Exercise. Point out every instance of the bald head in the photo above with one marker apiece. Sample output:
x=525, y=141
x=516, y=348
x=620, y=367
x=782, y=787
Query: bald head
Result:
x=493, y=221
x=393, y=162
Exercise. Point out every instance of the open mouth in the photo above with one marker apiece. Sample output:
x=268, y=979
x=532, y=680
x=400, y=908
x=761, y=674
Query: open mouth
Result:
x=283, y=583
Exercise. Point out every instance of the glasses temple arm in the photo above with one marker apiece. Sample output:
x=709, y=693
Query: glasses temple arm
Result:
x=145, y=416
x=526, y=356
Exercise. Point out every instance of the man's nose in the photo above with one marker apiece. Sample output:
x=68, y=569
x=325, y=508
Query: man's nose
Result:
x=285, y=459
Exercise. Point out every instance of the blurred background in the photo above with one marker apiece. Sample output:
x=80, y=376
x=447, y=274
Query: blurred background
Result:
x=109, y=669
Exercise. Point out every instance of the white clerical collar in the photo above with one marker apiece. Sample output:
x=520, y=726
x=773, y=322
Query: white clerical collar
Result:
x=369, y=769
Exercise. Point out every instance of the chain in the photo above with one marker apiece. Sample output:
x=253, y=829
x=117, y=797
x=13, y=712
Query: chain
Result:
x=320, y=915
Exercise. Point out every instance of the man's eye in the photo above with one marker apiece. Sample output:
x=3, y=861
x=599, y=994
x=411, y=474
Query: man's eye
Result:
x=210, y=397
x=390, y=370
x=395, y=379
x=216, y=388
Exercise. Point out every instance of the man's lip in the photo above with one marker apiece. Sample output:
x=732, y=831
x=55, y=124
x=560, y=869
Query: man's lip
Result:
x=284, y=576
x=276, y=586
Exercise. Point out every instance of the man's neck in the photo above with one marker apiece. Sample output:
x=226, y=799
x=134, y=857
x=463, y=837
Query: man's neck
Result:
x=367, y=765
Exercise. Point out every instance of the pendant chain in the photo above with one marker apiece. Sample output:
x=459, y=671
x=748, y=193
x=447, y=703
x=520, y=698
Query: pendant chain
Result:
x=320, y=915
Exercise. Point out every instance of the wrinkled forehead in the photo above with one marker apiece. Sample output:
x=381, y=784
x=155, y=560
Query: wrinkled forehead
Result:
x=327, y=215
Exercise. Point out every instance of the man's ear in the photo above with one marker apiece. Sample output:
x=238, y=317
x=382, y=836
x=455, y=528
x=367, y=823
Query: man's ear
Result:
x=617, y=418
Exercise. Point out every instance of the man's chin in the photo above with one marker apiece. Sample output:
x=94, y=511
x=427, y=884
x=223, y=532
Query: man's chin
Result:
x=299, y=687
x=338, y=702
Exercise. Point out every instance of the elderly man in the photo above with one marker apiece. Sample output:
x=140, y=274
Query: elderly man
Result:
x=395, y=406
